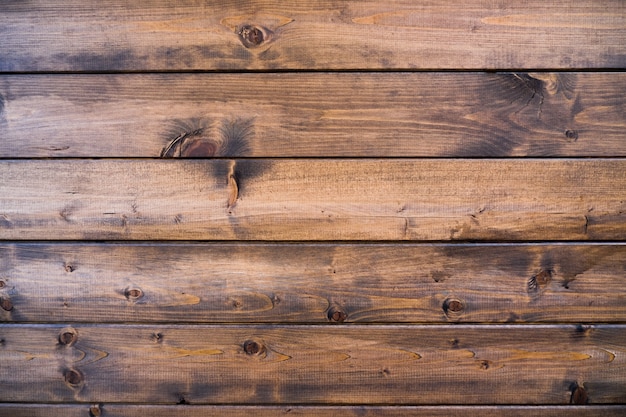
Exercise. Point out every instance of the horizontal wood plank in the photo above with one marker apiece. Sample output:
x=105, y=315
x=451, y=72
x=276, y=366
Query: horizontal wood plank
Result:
x=312, y=283
x=311, y=114
x=116, y=410
x=313, y=199
x=125, y=35
x=399, y=365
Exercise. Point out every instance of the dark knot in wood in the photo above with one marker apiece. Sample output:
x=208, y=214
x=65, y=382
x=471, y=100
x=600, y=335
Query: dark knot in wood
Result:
x=73, y=377
x=453, y=306
x=6, y=304
x=337, y=315
x=253, y=348
x=68, y=337
x=251, y=36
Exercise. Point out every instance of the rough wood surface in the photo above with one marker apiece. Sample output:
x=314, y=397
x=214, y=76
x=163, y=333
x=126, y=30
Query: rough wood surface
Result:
x=125, y=410
x=312, y=114
x=149, y=35
x=399, y=365
x=312, y=283
x=313, y=199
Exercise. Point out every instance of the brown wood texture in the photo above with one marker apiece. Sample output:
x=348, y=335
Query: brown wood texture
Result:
x=312, y=283
x=151, y=35
x=117, y=410
x=313, y=114
x=313, y=199
x=394, y=365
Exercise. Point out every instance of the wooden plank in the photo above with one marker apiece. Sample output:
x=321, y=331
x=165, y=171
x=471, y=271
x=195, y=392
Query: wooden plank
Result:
x=116, y=410
x=378, y=365
x=313, y=199
x=312, y=283
x=286, y=114
x=124, y=35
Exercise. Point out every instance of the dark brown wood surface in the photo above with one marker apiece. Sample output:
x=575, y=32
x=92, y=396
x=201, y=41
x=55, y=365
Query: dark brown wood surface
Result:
x=407, y=208
x=312, y=283
x=313, y=114
x=376, y=365
x=314, y=199
x=179, y=410
x=149, y=35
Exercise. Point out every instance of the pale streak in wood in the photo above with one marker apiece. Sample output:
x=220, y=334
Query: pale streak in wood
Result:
x=276, y=283
x=404, y=34
x=331, y=114
x=119, y=410
x=399, y=365
x=314, y=199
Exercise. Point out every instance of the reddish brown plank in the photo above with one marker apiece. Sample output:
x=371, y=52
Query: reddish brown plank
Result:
x=314, y=199
x=286, y=115
x=377, y=365
x=312, y=283
x=115, y=410
x=126, y=35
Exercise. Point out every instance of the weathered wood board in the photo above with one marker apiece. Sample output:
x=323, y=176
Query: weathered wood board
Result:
x=179, y=410
x=314, y=199
x=375, y=365
x=312, y=283
x=154, y=35
x=313, y=114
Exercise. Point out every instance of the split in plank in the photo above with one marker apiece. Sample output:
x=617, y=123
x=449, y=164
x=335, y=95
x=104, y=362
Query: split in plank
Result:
x=124, y=410
x=399, y=365
x=148, y=35
x=311, y=283
x=418, y=200
x=312, y=114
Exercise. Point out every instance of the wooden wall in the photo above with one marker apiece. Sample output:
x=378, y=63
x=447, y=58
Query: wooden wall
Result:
x=390, y=208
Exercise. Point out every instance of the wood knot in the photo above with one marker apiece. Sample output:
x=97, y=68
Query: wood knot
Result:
x=68, y=337
x=133, y=294
x=453, y=307
x=95, y=411
x=337, y=315
x=73, y=377
x=6, y=303
x=571, y=135
x=539, y=281
x=251, y=36
x=253, y=348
